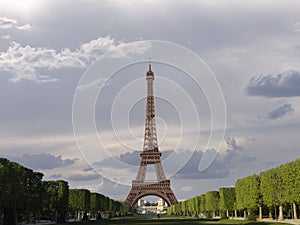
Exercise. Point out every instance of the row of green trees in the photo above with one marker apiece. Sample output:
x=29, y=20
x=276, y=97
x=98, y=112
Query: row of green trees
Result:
x=25, y=196
x=272, y=192
x=211, y=204
x=20, y=191
x=83, y=202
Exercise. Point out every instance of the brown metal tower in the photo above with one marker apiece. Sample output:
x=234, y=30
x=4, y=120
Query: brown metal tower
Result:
x=150, y=155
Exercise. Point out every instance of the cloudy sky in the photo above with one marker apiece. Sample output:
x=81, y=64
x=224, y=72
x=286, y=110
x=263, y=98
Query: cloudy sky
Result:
x=54, y=58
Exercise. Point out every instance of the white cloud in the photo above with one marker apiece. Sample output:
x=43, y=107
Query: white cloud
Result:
x=92, y=85
x=5, y=37
x=24, y=62
x=96, y=47
x=6, y=23
x=297, y=27
x=24, y=27
x=130, y=48
x=187, y=188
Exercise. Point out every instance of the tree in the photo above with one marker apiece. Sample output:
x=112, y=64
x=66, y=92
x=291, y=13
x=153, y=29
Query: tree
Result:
x=203, y=204
x=95, y=203
x=56, y=199
x=194, y=205
x=248, y=195
x=63, y=199
x=181, y=208
x=178, y=209
x=8, y=191
x=20, y=191
x=212, y=201
x=272, y=190
x=227, y=199
x=290, y=176
x=33, y=192
x=79, y=201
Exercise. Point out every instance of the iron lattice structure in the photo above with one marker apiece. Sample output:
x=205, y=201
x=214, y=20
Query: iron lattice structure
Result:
x=150, y=155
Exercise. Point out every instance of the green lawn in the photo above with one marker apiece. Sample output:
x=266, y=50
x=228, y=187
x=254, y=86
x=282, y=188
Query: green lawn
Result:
x=171, y=220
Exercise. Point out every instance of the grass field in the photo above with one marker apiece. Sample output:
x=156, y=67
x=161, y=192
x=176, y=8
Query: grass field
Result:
x=171, y=220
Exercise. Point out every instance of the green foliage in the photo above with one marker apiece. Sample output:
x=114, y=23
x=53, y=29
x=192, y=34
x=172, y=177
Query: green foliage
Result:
x=56, y=198
x=212, y=201
x=196, y=204
x=227, y=198
x=248, y=192
x=202, y=203
x=277, y=186
x=79, y=199
x=23, y=191
x=95, y=202
x=20, y=190
x=290, y=177
x=272, y=187
x=267, y=186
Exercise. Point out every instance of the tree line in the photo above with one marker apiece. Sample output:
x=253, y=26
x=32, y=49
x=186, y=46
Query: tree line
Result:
x=24, y=196
x=274, y=193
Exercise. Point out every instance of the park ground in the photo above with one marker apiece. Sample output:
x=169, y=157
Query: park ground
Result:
x=171, y=220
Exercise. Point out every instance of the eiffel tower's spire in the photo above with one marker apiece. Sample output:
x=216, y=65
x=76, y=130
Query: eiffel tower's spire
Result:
x=150, y=73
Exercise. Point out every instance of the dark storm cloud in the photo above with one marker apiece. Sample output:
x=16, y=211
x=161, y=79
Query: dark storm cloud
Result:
x=116, y=191
x=56, y=176
x=83, y=177
x=128, y=158
x=219, y=168
x=285, y=84
x=190, y=171
x=43, y=161
x=280, y=112
x=87, y=169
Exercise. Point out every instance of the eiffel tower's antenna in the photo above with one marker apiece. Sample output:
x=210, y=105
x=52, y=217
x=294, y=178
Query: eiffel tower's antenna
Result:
x=149, y=63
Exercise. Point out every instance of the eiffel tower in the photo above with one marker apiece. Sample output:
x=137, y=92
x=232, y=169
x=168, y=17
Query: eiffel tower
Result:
x=150, y=155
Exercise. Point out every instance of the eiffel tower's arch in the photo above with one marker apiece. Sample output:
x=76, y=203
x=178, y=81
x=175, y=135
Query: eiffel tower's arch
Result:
x=142, y=195
x=160, y=187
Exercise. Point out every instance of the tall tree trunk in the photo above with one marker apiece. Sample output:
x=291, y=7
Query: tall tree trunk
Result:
x=245, y=214
x=295, y=211
x=235, y=213
x=280, y=217
x=227, y=213
x=260, y=213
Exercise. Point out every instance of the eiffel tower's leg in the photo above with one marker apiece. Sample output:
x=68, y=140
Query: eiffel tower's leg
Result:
x=141, y=173
x=159, y=172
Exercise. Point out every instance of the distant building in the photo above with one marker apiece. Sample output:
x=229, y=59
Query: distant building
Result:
x=141, y=202
x=161, y=206
x=158, y=207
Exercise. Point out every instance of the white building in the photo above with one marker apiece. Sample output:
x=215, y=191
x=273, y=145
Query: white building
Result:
x=158, y=207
